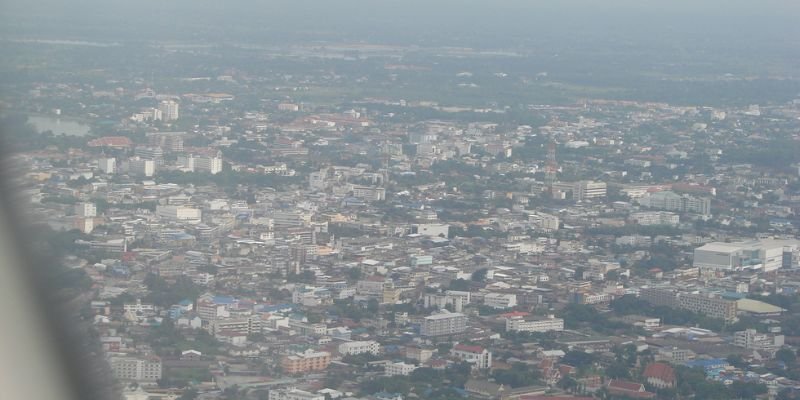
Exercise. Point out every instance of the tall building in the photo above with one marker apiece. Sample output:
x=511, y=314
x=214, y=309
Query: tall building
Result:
x=443, y=324
x=141, y=167
x=107, y=165
x=169, y=110
x=86, y=210
x=212, y=165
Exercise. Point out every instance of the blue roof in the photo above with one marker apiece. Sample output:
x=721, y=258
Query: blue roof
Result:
x=223, y=300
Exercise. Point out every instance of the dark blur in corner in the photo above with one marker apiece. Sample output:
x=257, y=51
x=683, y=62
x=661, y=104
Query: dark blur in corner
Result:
x=46, y=351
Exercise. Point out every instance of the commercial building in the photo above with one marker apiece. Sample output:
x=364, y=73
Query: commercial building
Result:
x=765, y=255
x=443, y=324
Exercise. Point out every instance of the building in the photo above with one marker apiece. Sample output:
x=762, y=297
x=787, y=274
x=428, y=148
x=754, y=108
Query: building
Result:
x=752, y=339
x=141, y=167
x=212, y=165
x=442, y=230
x=369, y=193
x=476, y=355
x=660, y=375
x=500, y=300
x=700, y=303
x=146, y=370
x=671, y=201
x=765, y=255
x=588, y=190
x=443, y=324
x=293, y=394
x=179, y=213
x=628, y=389
x=169, y=110
x=107, y=165
x=86, y=210
x=441, y=302
x=648, y=218
x=359, y=347
x=550, y=324
x=306, y=361
x=399, y=368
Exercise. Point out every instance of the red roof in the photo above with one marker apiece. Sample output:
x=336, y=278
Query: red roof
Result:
x=625, y=385
x=469, y=349
x=630, y=389
x=660, y=371
x=111, y=141
x=515, y=314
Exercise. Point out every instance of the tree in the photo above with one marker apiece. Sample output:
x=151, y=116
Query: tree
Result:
x=786, y=356
x=189, y=394
x=480, y=275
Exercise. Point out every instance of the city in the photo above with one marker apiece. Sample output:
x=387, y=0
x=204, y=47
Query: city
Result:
x=384, y=222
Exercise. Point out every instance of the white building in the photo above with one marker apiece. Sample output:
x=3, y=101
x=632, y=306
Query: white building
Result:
x=765, y=255
x=647, y=218
x=107, y=165
x=550, y=324
x=179, y=213
x=293, y=394
x=136, y=369
x=85, y=210
x=169, y=110
x=500, y=300
x=399, y=368
x=752, y=339
x=589, y=190
x=477, y=355
x=443, y=324
x=142, y=167
x=432, y=230
x=359, y=347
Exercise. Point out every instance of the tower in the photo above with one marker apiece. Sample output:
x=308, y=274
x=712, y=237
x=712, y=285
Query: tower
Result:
x=551, y=168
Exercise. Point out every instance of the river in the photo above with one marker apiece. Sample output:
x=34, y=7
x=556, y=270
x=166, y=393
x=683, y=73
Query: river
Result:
x=59, y=125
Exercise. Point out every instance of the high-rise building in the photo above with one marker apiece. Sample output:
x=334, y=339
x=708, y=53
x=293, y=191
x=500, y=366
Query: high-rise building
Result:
x=169, y=110
x=86, y=210
x=107, y=165
x=142, y=167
